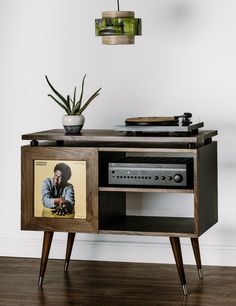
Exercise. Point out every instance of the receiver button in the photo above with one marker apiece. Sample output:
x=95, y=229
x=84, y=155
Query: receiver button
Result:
x=178, y=178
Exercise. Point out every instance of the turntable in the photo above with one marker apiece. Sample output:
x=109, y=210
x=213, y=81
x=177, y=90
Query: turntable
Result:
x=180, y=125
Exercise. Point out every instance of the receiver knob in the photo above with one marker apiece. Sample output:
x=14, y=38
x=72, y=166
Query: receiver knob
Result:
x=178, y=178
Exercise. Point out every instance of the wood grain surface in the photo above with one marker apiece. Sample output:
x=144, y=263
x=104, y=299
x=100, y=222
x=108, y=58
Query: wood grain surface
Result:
x=90, y=283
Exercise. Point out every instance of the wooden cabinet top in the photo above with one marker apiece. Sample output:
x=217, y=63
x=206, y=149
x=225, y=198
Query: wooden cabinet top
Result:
x=111, y=136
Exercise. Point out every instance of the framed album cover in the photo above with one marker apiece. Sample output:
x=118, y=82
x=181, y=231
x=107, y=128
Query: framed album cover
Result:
x=59, y=189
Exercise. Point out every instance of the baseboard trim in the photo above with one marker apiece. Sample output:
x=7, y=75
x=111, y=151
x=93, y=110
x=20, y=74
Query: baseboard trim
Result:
x=148, y=251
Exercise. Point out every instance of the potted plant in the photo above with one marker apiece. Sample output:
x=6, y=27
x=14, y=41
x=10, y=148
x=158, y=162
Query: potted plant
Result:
x=73, y=121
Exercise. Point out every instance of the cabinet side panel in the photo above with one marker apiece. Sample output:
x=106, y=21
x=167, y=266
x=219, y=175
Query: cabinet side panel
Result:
x=26, y=188
x=207, y=187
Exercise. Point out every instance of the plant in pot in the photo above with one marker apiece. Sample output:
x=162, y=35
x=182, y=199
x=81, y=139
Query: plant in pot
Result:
x=73, y=121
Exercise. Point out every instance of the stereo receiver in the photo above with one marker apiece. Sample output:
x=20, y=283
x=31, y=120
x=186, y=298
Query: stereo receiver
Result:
x=151, y=171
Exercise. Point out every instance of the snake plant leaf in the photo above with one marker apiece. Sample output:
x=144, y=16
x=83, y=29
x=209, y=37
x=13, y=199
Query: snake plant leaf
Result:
x=78, y=104
x=73, y=101
x=56, y=92
x=82, y=89
x=59, y=103
x=80, y=111
x=68, y=103
x=74, y=95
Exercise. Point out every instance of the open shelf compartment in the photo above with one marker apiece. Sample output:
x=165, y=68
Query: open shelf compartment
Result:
x=161, y=226
x=114, y=219
x=113, y=216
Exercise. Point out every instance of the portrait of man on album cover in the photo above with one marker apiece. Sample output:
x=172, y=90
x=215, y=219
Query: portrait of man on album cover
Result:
x=60, y=189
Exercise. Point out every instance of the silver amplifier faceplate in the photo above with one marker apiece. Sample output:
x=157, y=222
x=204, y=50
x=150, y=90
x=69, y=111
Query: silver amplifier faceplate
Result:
x=147, y=174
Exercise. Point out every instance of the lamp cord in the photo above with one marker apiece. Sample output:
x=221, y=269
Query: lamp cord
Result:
x=118, y=5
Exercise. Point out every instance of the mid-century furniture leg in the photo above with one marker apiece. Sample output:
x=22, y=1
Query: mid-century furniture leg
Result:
x=47, y=240
x=196, y=251
x=176, y=248
x=70, y=242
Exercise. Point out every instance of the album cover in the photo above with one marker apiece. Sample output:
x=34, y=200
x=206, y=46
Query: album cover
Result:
x=60, y=189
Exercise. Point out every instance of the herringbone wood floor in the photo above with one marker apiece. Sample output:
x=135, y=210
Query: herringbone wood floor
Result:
x=113, y=284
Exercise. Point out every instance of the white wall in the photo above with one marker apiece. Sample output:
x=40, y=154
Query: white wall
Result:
x=185, y=61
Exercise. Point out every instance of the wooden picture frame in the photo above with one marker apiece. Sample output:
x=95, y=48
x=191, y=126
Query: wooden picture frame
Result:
x=34, y=156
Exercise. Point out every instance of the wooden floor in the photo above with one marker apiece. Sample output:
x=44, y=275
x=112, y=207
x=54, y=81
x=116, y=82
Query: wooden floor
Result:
x=111, y=283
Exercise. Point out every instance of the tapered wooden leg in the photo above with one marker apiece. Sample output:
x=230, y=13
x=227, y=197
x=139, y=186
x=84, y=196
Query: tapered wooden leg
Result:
x=196, y=251
x=47, y=240
x=70, y=242
x=176, y=248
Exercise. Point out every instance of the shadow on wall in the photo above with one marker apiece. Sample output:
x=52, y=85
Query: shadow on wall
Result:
x=179, y=14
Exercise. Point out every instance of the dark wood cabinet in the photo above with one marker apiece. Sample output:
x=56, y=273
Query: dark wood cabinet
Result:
x=106, y=205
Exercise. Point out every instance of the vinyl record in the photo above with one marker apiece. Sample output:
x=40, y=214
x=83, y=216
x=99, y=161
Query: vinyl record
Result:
x=159, y=121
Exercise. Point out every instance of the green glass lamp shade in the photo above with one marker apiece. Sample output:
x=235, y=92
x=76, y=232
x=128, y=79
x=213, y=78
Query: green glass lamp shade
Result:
x=118, y=27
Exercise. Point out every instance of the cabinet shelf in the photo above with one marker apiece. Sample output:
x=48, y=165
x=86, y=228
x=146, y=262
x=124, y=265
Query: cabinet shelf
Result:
x=145, y=189
x=144, y=225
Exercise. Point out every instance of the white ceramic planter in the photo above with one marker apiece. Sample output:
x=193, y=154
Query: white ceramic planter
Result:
x=73, y=123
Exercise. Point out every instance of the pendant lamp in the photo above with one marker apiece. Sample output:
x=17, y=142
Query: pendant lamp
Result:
x=118, y=27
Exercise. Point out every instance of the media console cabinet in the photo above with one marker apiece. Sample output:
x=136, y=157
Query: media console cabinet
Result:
x=103, y=208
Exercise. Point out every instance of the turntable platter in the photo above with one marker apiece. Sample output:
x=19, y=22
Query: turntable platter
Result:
x=159, y=121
